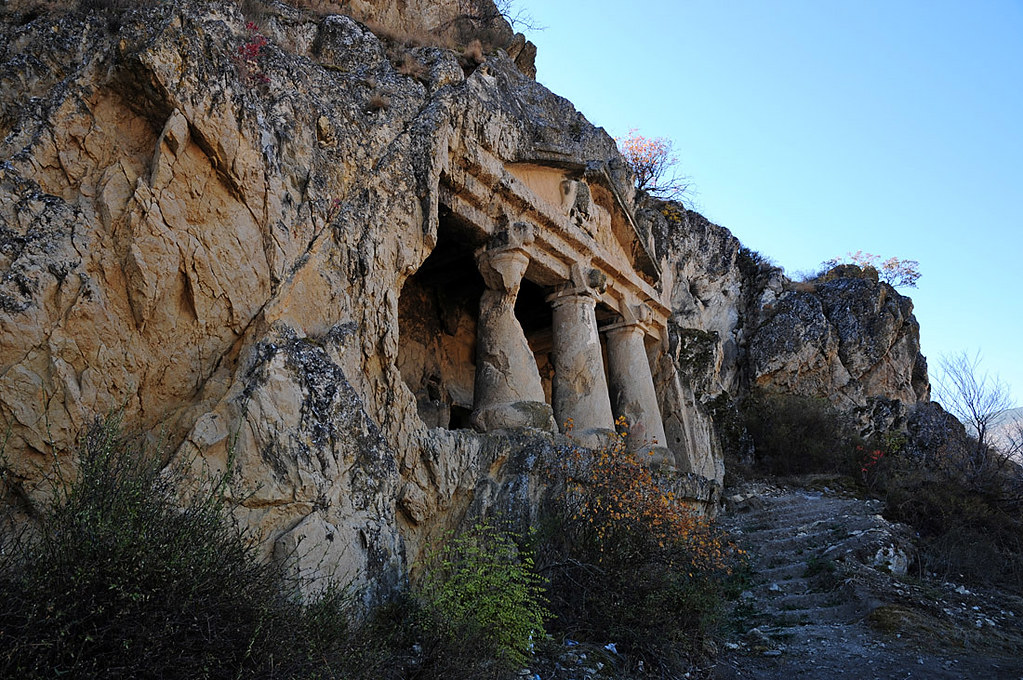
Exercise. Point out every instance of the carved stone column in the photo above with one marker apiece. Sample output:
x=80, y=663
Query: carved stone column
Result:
x=632, y=386
x=507, y=390
x=580, y=388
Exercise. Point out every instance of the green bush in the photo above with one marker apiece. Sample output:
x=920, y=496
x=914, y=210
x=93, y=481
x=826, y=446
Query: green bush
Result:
x=482, y=585
x=123, y=578
x=794, y=434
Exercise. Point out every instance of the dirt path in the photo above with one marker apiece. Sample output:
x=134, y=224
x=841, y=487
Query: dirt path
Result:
x=824, y=603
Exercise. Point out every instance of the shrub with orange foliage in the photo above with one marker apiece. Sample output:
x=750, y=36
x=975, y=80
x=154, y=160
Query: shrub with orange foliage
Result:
x=616, y=496
x=627, y=560
x=653, y=163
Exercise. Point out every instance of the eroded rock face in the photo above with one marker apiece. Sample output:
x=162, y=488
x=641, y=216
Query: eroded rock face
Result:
x=226, y=241
x=268, y=256
x=179, y=241
x=717, y=290
x=739, y=323
x=847, y=339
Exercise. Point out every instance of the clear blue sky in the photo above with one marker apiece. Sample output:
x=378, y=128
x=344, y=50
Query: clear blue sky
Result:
x=811, y=129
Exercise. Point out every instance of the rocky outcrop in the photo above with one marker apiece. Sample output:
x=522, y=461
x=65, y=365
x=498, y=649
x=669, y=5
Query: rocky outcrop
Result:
x=847, y=338
x=210, y=234
x=210, y=225
x=294, y=251
x=738, y=323
x=741, y=323
x=709, y=293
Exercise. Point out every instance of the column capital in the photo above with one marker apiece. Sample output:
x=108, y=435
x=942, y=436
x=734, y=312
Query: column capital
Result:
x=634, y=316
x=586, y=281
x=503, y=261
x=502, y=270
x=516, y=235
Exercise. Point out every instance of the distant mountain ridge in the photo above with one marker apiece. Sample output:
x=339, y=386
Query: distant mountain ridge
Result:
x=1005, y=424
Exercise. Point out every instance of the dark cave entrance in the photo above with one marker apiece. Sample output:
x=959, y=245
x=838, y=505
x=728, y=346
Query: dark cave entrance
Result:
x=536, y=318
x=437, y=316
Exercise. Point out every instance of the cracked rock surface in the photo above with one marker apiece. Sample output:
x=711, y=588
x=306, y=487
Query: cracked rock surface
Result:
x=208, y=226
x=209, y=233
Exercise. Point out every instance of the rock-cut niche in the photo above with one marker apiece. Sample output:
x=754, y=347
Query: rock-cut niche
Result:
x=438, y=314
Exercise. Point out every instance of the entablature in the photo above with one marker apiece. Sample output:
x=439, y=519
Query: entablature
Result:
x=572, y=229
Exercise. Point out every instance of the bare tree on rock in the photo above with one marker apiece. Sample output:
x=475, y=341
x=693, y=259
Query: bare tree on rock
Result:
x=976, y=398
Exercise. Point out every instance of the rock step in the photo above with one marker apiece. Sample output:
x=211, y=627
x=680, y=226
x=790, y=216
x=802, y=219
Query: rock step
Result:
x=796, y=587
x=801, y=500
x=790, y=571
x=808, y=543
x=804, y=539
x=828, y=524
x=779, y=525
x=786, y=507
x=816, y=615
x=797, y=517
x=823, y=631
x=762, y=522
x=806, y=600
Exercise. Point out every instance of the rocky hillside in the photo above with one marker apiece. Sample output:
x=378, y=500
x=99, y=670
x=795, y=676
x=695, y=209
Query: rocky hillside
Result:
x=830, y=597
x=255, y=230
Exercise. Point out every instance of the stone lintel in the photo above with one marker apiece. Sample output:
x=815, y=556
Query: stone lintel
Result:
x=479, y=199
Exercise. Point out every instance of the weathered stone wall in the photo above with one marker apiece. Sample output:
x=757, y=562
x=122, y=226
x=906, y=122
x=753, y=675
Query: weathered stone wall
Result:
x=738, y=322
x=714, y=288
x=847, y=338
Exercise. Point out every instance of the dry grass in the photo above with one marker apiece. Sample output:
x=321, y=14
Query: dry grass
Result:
x=320, y=7
x=802, y=286
x=255, y=11
x=378, y=102
x=259, y=11
x=413, y=68
x=416, y=38
x=795, y=435
x=926, y=625
x=473, y=52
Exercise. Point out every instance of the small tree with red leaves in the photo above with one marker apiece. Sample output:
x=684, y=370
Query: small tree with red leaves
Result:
x=893, y=271
x=654, y=165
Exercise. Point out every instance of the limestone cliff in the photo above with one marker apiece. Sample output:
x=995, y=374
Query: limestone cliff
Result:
x=741, y=323
x=373, y=279
x=847, y=337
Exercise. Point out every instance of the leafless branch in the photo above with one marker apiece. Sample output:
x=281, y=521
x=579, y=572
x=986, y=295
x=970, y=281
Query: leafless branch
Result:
x=974, y=396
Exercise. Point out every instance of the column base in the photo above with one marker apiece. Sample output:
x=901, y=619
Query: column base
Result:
x=514, y=414
x=592, y=438
x=657, y=457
